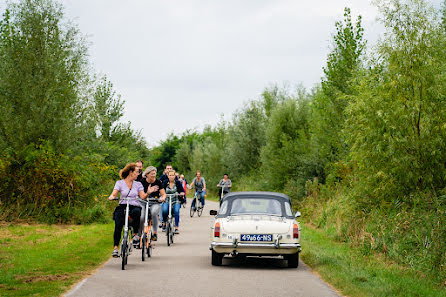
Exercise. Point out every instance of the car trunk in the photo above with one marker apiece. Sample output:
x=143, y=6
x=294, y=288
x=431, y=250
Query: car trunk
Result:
x=255, y=225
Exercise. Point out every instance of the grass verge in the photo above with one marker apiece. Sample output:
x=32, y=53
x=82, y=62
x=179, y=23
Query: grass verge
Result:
x=45, y=260
x=356, y=275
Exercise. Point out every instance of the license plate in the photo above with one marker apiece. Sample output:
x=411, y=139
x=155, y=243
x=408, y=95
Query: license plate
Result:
x=256, y=237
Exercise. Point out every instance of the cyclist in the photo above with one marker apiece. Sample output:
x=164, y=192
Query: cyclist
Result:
x=154, y=188
x=225, y=183
x=127, y=187
x=200, y=187
x=172, y=186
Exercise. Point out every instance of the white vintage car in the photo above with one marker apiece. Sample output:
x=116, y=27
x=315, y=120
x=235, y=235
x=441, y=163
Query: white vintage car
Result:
x=255, y=224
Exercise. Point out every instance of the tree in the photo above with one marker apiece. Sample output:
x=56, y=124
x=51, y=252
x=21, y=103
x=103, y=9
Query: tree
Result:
x=108, y=107
x=397, y=118
x=42, y=68
x=331, y=99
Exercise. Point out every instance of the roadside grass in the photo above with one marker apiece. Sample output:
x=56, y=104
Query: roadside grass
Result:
x=357, y=275
x=45, y=260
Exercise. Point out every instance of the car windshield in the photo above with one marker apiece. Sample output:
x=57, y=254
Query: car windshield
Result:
x=255, y=206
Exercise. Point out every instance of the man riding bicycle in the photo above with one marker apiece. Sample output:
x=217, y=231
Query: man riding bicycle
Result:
x=200, y=188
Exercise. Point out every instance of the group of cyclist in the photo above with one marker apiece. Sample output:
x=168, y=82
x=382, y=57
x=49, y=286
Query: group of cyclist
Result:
x=135, y=183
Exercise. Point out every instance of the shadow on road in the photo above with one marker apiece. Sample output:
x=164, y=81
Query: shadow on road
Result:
x=255, y=263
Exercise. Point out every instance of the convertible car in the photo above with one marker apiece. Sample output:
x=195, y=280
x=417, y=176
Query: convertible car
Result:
x=255, y=224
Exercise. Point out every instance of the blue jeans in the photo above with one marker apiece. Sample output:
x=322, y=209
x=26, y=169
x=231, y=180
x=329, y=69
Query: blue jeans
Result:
x=175, y=211
x=199, y=196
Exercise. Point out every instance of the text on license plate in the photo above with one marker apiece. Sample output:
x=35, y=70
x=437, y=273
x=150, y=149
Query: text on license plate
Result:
x=256, y=237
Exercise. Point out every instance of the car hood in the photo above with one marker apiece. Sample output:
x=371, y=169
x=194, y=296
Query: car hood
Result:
x=255, y=225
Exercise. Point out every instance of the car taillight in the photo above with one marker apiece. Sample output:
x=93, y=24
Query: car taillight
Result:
x=295, y=231
x=217, y=230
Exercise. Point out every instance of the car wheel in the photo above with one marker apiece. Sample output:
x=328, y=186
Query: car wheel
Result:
x=217, y=258
x=293, y=260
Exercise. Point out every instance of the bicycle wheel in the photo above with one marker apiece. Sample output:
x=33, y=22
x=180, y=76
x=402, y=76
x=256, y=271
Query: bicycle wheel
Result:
x=168, y=234
x=143, y=246
x=149, y=244
x=200, y=209
x=172, y=232
x=192, y=211
x=124, y=253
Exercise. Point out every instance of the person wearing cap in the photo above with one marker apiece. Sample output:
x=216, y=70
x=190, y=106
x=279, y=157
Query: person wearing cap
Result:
x=154, y=188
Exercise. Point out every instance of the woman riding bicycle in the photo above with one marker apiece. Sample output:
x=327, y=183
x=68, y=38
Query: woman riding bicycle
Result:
x=154, y=188
x=127, y=187
x=172, y=186
x=200, y=188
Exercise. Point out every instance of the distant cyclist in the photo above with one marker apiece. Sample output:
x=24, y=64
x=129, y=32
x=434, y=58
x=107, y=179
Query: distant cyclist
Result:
x=200, y=187
x=172, y=186
x=127, y=187
x=183, y=181
x=154, y=188
x=225, y=185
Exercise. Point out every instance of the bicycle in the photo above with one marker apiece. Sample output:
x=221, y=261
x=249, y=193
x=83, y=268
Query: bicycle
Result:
x=198, y=205
x=146, y=238
x=170, y=224
x=126, y=242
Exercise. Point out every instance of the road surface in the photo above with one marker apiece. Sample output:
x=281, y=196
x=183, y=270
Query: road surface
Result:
x=184, y=269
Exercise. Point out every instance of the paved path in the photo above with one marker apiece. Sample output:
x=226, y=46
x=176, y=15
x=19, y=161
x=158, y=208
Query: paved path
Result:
x=184, y=269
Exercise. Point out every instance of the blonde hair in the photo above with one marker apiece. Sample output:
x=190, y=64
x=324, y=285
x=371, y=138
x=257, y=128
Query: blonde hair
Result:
x=148, y=170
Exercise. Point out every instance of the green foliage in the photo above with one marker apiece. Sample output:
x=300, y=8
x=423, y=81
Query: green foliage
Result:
x=60, y=134
x=332, y=98
x=397, y=119
x=285, y=156
x=42, y=66
x=246, y=136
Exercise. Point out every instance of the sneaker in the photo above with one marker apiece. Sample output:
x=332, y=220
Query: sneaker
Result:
x=154, y=237
x=115, y=253
x=164, y=228
x=177, y=231
x=160, y=226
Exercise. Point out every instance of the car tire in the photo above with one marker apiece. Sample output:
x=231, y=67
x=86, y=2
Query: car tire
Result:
x=217, y=258
x=293, y=260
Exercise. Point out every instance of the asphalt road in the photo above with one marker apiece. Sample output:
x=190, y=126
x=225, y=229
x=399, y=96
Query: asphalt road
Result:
x=184, y=269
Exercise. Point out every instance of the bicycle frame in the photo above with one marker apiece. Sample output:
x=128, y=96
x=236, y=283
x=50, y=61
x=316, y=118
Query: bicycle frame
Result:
x=170, y=229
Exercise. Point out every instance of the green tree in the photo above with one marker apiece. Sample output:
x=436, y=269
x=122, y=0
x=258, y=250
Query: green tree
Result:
x=331, y=99
x=42, y=70
x=397, y=119
x=246, y=136
x=108, y=107
x=286, y=157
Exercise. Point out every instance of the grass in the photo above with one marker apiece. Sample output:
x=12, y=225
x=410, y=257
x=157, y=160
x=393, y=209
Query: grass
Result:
x=356, y=275
x=45, y=260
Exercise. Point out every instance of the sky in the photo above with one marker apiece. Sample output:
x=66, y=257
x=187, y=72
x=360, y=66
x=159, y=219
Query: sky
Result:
x=184, y=64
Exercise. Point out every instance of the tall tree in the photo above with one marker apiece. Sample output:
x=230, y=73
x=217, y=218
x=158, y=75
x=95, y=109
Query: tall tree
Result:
x=331, y=100
x=397, y=119
x=42, y=66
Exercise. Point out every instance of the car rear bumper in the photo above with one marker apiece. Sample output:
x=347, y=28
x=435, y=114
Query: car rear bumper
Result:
x=254, y=245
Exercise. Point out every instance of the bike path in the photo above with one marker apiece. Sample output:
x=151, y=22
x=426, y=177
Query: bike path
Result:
x=184, y=269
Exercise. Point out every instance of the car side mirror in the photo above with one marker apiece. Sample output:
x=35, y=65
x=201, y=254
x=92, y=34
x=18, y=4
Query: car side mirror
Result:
x=213, y=212
x=297, y=215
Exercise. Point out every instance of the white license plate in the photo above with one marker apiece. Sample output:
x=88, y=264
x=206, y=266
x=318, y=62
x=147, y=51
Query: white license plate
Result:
x=256, y=237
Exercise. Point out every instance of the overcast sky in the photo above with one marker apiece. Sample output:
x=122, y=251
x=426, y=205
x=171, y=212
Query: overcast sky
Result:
x=182, y=64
